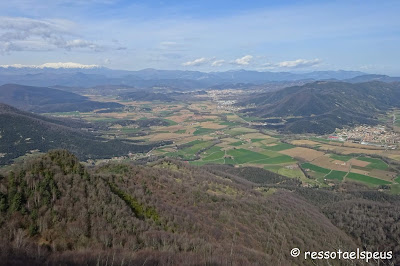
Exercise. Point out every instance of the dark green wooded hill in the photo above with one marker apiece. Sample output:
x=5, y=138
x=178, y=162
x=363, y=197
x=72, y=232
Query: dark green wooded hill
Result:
x=322, y=106
x=47, y=100
x=22, y=132
x=54, y=211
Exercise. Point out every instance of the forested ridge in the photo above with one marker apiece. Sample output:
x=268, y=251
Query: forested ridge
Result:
x=56, y=211
x=21, y=132
x=322, y=106
x=48, y=100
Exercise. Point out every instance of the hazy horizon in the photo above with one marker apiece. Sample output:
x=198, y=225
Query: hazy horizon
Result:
x=208, y=36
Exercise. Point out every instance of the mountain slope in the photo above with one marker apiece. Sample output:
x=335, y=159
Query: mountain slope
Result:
x=55, y=211
x=22, y=132
x=40, y=99
x=322, y=106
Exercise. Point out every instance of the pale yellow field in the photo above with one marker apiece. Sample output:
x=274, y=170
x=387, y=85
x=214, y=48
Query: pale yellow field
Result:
x=358, y=171
x=386, y=175
x=304, y=142
x=303, y=153
x=257, y=136
x=326, y=162
x=358, y=162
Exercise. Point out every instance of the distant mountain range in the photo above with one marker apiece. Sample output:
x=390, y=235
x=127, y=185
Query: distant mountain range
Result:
x=47, y=100
x=95, y=76
x=322, y=106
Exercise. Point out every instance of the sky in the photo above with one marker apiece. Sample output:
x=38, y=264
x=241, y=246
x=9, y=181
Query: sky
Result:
x=295, y=36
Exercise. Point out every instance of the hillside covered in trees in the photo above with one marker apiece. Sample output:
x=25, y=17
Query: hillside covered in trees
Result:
x=55, y=211
x=322, y=106
x=22, y=132
x=48, y=100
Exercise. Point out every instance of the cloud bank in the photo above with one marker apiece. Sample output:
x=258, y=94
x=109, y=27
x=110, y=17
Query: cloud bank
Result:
x=299, y=63
x=26, y=34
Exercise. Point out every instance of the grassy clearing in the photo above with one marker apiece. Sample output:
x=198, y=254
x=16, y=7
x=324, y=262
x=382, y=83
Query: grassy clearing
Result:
x=293, y=173
x=315, y=168
x=180, y=131
x=280, y=147
x=343, y=158
x=338, y=175
x=374, y=163
x=190, y=149
x=395, y=189
x=214, y=156
x=367, y=179
x=229, y=161
x=244, y=156
x=397, y=179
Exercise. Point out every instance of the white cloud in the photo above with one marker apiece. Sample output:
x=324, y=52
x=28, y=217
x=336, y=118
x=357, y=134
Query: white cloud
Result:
x=53, y=65
x=245, y=60
x=196, y=62
x=218, y=63
x=25, y=34
x=299, y=63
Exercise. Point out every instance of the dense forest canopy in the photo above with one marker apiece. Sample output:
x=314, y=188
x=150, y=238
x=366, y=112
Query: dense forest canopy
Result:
x=54, y=210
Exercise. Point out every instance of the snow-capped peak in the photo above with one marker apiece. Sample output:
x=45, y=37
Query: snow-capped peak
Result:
x=53, y=65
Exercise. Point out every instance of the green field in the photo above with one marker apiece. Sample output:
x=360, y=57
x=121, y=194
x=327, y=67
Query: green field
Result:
x=276, y=160
x=343, y=158
x=256, y=140
x=238, y=143
x=130, y=129
x=374, y=163
x=214, y=156
x=292, y=173
x=180, y=131
x=190, y=149
x=211, y=150
x=395, y=189
x=315, y=168
x=338, y=175
x=229, y=161
x=244, y=156
x=367, y=179
x=280, y=147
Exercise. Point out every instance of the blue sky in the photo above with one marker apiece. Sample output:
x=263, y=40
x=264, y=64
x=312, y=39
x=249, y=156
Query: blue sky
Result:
x=204, y=35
